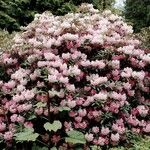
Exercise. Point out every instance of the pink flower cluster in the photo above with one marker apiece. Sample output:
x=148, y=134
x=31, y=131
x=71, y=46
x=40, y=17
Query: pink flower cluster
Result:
x=87, y=62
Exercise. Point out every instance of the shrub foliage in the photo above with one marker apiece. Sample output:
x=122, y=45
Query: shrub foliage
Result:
x=74, y=81
x=138, y=12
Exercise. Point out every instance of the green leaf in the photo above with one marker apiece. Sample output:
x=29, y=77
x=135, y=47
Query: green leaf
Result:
x=40, y=104
x=95, y=147
x=74, y=141
x=27, y=135
x=31, y=117
x=53, y=148
x=64, y=109
x=75, y=137
x=35, y=147
x=56, y=125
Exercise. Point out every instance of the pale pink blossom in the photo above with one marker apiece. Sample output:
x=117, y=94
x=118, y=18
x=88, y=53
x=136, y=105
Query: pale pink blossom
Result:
x=28, y=94
x=11, y=84
x=71, y=104
x=8, y=135
x=101, y=141
x=95, y=129
x=49, y=56
x=101, y=96
x=70, y=87
x=28, y=124
x=115, y=137
x=82, y=112
x=89, y=137
x=105, y=131
x=147, y=128
x=14, y=117
x=142, y=110
x=20, y=119
x=2, y=126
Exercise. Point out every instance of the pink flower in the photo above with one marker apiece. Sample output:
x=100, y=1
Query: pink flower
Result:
x=71, y=104
x=2, y=126
x=101, y=141
x=49, y=56
x=89, y=137
x=114, y=107
x=55, y=139
x=72, y=114
x=115, y=64
x=115, y=137
x=100, y=96
x=82, y=125
x=28, y=94
x=105, y=131
x=119, y=129
x=86, y=88
x=23, y=81
x=82, y=112
x=95, y=129
x=11, y=84
x=8, y=135
x=64, y=80
x=99, y=80
x=27, y=107
x=42, y=63
x=131, y=92
x=136, y=130
x=70, y=87
x=13, y=108
x=142, y=110
x=85, y=63
x=133, y=120
x=33, y=77
x=1, y=83
x=127, y=72
x=147, y=128
x=20, y=108
x=52, y=78
x=79, y=101
x=127, y=85
x=66, y=56
x=20, y=119
x=13, y=118
x=96, y=113
x=18, y=98
x=39, y=111
x=28, y=124
x=67, y=125
x=138, y=75
x=78, y=119
x=20, y=88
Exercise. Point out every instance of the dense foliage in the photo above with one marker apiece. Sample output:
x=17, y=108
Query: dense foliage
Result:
x=144, y=36
x=16, y=13
x=79, y=80
x=138, y=12
x=6, y=40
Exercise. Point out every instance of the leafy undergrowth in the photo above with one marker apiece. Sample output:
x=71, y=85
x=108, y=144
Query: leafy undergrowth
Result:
x=137, y=144
x=144, y=36
x=6, y=40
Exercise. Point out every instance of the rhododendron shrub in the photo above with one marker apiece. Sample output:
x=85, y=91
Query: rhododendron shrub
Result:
x=75, y=80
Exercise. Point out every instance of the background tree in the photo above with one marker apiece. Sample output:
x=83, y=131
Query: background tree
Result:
x=138, y=12
x=16, y=13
